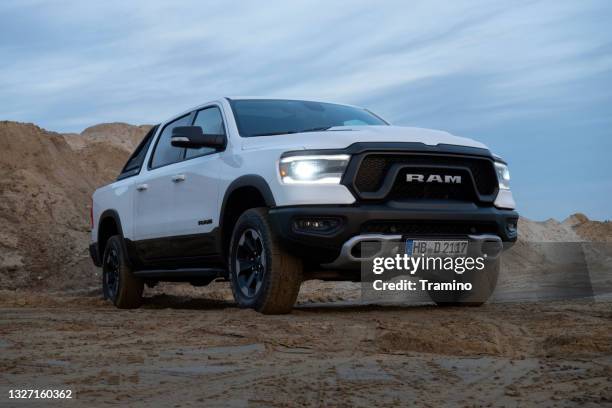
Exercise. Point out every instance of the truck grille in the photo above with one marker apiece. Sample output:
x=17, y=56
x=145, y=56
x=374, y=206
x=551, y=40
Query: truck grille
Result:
x=374, y=169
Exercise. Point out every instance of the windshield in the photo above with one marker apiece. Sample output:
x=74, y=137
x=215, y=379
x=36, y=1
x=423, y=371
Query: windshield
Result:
x=267, y=117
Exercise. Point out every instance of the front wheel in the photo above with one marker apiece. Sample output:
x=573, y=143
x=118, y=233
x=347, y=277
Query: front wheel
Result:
x=119, y=284
x=263, y=276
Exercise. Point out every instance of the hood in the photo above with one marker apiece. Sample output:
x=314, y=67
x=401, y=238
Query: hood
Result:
x=340, y=137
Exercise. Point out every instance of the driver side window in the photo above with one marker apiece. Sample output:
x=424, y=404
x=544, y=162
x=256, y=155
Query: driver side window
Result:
x=211, y=122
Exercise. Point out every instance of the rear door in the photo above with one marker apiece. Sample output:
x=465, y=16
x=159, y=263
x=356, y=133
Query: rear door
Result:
x=153, y=196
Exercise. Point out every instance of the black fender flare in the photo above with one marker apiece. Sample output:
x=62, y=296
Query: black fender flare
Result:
x=248, y=180
x=110, y=213
x=114, y=215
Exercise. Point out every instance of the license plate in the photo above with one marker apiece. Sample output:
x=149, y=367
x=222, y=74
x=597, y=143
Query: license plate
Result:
x=436, y=248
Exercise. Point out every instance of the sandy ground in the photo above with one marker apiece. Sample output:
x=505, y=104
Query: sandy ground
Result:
x=191, y=351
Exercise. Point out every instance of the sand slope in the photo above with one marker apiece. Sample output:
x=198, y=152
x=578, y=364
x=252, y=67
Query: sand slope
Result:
x=45, y=193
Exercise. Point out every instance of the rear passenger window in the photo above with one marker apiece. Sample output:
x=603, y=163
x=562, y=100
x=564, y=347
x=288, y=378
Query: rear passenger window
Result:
x=164, y=152
x=211, y=122
x=134, y=163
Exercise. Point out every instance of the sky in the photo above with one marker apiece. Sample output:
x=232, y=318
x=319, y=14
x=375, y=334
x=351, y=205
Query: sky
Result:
x=530, y=79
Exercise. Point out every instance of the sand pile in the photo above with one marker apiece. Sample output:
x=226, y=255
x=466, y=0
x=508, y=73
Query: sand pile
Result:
x=120, y=135
x=550, y=230
x=589, y=230
x=45, y=192
x=575, y=228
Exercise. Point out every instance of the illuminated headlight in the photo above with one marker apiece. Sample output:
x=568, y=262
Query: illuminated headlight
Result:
x=313, y=169
x=503, y=176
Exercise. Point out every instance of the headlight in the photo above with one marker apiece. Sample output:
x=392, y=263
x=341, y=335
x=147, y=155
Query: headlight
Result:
x=503, y=176
x=313, y=169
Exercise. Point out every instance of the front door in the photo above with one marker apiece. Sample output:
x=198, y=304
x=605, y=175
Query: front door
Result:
x=196, y=191
x=154, y=214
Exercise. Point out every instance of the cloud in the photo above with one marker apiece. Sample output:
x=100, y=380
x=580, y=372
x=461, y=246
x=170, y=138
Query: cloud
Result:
x=481, y=69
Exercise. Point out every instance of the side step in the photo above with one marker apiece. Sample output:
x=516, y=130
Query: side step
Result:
x=181, y=274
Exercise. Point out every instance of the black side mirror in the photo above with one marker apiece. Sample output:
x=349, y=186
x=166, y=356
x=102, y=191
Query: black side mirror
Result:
x=192, y=137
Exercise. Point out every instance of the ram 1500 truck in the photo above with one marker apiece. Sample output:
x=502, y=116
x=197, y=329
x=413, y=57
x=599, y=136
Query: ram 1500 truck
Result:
x=270, y=192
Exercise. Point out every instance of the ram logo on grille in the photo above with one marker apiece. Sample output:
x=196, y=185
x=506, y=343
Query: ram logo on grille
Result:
x=433, y=178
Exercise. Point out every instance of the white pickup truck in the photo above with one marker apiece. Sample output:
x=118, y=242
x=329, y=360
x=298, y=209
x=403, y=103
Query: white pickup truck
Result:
x=268, y=193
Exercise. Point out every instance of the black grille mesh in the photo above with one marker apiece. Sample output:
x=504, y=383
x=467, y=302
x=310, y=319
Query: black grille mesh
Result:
x=375, y=167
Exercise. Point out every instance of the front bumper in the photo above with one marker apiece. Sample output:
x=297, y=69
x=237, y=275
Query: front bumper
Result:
x=422, y=221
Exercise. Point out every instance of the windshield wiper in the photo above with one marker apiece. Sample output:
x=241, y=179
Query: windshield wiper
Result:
x=289, y=132
x=317, y=129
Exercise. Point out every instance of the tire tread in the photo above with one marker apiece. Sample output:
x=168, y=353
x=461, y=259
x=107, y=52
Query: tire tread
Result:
x=130, y=290
x=284, y=273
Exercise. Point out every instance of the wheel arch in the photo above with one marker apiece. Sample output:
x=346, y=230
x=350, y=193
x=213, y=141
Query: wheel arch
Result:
x=109, y=224
x=248, y=191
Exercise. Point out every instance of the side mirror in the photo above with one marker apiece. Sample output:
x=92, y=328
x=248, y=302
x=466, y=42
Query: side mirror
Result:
x=192, y=137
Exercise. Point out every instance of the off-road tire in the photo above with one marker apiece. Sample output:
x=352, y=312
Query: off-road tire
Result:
x=279, y=284
x=126, y=292
x=483, y=284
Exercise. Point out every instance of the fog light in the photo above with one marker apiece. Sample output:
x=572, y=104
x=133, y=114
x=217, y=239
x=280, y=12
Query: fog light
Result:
x=318, y=225
x=511, y=227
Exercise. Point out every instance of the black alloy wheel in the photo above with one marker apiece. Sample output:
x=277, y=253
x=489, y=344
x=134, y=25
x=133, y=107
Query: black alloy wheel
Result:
x=119, y=285
x=262, y=274
x=250, y=263
x=111, y=274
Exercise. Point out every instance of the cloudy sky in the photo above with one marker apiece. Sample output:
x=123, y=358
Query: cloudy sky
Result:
x=531, y=79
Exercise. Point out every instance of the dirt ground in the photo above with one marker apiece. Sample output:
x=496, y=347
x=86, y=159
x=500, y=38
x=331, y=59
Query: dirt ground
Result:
x=199, y=351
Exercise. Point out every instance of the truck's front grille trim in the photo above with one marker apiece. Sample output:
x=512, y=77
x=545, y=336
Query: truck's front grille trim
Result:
x=478, y=176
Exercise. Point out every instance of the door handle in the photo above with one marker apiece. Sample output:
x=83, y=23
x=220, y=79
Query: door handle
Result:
x=142, y=187
x=178, y=178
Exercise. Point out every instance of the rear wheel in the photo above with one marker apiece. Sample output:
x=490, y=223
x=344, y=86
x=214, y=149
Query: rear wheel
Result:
x=263, y=276
x=119, y=284
x=483, y=284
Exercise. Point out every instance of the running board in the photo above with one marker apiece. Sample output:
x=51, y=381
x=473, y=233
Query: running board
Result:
x=181, y=274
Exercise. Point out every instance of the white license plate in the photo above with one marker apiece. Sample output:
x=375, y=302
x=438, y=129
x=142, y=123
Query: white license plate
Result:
x=436, y=248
